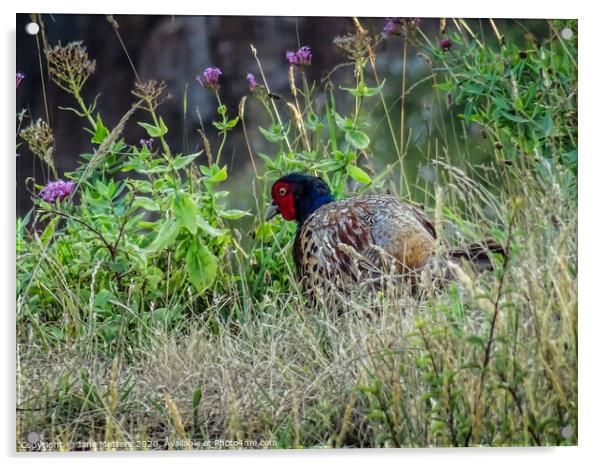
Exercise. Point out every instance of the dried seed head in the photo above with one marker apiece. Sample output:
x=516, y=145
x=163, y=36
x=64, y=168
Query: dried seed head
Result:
x=69, y=66
x=359, y=47
x=150, y=91
x=40, y=140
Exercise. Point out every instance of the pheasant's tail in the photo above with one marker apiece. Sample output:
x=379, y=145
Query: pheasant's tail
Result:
x=478, y=254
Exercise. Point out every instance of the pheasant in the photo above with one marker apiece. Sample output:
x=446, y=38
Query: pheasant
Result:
x=357, y=240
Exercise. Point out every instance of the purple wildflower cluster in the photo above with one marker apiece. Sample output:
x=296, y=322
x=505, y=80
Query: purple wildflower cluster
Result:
x=301, y=57
x=397, y=25
x=20, y=77
x=57, y=190
x=210, y=78
x=148, y=143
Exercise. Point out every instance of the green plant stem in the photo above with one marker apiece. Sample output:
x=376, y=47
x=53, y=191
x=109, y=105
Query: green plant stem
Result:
x=223, y=134
x=109, y=247
x=85, y=110
x=164, y=144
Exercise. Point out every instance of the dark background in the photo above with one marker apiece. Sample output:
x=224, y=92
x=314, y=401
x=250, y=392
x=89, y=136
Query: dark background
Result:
x=176, y=49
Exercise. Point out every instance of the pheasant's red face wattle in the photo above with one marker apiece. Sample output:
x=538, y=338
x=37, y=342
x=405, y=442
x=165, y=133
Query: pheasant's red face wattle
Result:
x=282, y=196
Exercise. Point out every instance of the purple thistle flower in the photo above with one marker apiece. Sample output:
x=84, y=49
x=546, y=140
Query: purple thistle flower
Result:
x=445, y=44
x=20, y=77
x=391, y=25
x=210, y=78
x=304, y=56
x=57, y=190
x=399, y=26
x=252, y=81
x=291, y=57
x=148, y=143
x=301, y=57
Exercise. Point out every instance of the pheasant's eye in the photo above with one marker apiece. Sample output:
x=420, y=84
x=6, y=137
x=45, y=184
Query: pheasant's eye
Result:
x=282, y=191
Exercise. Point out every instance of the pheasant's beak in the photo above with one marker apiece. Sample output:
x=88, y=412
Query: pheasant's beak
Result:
x=271, y=212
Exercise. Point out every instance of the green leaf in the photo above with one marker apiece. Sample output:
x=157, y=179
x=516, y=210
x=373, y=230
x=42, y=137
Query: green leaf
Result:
x=102, y=297
x=358, y=174
x=232, y=123
x=101, y=131
x=328, y=165
x=232, y=214
x=275, y=134
x=447, y=86
x=183, y=160
x=220, y=175
x=207, y=228
x=357, y=139
x=548, y=124
x=364, y=91
x=476, y=340
x=162, y=126
x=154, y=131
x=201, y=266
x=145, y=203
x=196, y=398
x=345, y=124
x=166, y=235
x=185, y=211
x=49, y=230
x=515, y=118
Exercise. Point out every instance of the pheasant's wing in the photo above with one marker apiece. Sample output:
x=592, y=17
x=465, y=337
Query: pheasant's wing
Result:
x=424, y=220
x=345, y=241
x=329, y=246
x=404, y=232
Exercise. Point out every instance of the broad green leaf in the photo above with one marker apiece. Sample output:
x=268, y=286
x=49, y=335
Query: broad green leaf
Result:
x=185, y=211
x=184, y=160
x=343, y=123
x=274, y=134
x=221, y=175
x=101, y=131
x=357, y=139
x=201, y=266
x=358, y=174
x=142, y=186
x=166, y=235
x=154, y=131
x=232, y=123
x=146, y=203
x=207, y=228
x=232, y=214
x=102, y=297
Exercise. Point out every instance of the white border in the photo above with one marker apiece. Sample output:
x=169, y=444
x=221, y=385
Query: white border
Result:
x=590, y=227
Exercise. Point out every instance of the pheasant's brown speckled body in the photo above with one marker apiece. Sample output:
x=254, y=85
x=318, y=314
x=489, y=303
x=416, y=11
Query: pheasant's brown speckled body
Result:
x=345, y=242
